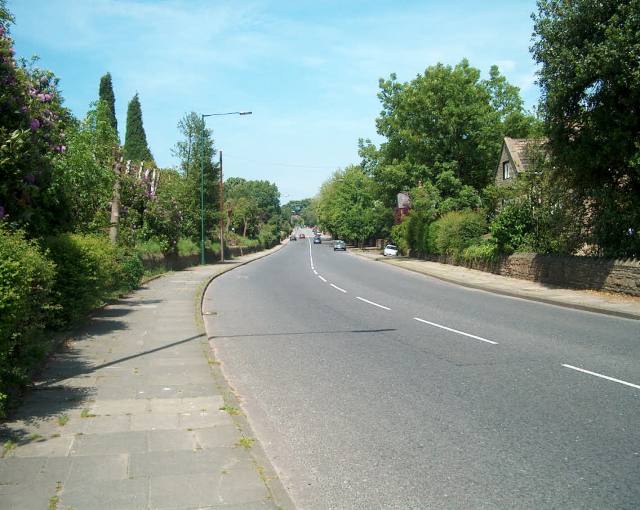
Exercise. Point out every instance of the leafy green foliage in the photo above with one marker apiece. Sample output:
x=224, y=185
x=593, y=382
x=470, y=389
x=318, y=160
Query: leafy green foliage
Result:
x=250, y=204
x=135, y=140
x=512, y=227
x=457, y=230
x=589, y=59
x=445, y=116
x=26, y=281
x=31, y=134
x=106, y=95
x=84, y=176
x=196, y=153
x=486, y=251
x=349, y=208
x=88, y=271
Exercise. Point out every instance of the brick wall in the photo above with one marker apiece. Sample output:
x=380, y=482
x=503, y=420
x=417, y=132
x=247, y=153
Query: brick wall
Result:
x=564, y=271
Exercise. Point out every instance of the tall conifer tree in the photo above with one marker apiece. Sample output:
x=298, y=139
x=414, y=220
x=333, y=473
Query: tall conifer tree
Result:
x=135, y=140
x=106, y=94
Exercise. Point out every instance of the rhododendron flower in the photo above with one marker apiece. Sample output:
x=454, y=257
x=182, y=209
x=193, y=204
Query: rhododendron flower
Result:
x=35, y=124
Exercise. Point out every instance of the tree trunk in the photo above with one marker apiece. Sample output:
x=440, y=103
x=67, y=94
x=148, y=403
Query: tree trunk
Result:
x=115, y=202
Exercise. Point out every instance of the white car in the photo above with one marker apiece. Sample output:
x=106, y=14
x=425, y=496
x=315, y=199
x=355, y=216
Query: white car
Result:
x=390, y=250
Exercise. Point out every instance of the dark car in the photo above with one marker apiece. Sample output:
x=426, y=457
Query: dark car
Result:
x=339, y=245
x=292, y=237
x=317, y=240
x=301, y=236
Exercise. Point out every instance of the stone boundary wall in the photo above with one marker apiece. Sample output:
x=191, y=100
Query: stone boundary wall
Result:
x=562, y=270
x=174, y=262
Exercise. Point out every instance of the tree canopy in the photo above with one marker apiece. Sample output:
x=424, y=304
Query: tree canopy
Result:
x=446, y=119
x=589, y=56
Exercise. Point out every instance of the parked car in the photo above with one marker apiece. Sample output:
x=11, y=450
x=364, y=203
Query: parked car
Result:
x=317, y=240
x=339, y=245
x=293, y=237
x=301, y=236
x=390, y=250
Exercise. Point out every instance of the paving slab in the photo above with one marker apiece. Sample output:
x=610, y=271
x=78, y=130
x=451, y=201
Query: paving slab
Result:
x=86, y=470
x=129, y=494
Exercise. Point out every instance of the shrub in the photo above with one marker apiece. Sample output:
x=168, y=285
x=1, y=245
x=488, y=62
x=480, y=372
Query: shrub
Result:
x=130, y=270
x=268, y=235
x=87, y=273
x=457, y=230
x=187, y=246
x=486, y=251
x=26, y=280
x=512, y=227
x=399, y=235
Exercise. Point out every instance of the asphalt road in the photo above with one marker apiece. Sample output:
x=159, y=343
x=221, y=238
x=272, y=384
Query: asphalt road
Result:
x=372, y=387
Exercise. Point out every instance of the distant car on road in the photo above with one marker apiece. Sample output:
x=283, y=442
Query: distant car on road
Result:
x=339, y=245
x=301, y=236
x=317, y=240
x=292, y=237
x=390, y=250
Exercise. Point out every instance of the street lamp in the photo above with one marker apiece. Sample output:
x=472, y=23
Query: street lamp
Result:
x=203, y=116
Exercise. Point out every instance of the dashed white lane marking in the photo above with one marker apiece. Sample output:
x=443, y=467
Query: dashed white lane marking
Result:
x=456, y=331
x=310, y=254
x=372, y=303
x=323, y=279
x=315, y=272
x=338, y=288
x=602, y=376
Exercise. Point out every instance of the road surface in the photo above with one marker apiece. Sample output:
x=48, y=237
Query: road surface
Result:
x=372, y=387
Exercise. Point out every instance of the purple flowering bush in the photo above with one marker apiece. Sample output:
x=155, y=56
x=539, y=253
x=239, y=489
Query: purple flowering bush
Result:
x=31, y=136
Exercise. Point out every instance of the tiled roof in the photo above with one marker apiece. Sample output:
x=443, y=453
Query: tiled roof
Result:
x=517, y=148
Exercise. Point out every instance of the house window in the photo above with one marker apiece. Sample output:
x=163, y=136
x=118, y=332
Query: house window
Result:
x=505, y=170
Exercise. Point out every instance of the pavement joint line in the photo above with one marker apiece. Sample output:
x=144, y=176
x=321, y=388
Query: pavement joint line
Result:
x=372, y=303
x=338, y=288
x=322, y=278
x=456, y=331
x=620, y=381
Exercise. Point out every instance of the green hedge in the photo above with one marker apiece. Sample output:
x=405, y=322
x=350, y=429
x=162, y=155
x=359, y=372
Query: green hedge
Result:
x=26, y=282
x=456, y=231
x=89, y=271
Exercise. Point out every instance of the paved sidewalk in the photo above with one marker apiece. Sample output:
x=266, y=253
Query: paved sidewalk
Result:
x=128, y=415
x=594, y=301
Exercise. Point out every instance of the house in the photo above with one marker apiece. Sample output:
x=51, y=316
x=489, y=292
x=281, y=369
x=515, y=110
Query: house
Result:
x=515, y=158
x=403, y=207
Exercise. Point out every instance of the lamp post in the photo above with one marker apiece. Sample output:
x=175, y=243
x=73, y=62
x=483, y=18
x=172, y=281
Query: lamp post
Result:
x=203, y=116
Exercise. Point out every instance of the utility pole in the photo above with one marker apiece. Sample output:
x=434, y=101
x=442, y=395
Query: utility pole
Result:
x=221, y=211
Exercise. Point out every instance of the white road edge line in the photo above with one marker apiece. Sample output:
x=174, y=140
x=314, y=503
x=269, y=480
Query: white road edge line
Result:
x=456, y=331
x=338, y=288
x=372, y=303
x=323, y=279
x=602, y=376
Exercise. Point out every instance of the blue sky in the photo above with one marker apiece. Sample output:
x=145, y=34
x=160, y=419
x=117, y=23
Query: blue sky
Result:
x=308, y=70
